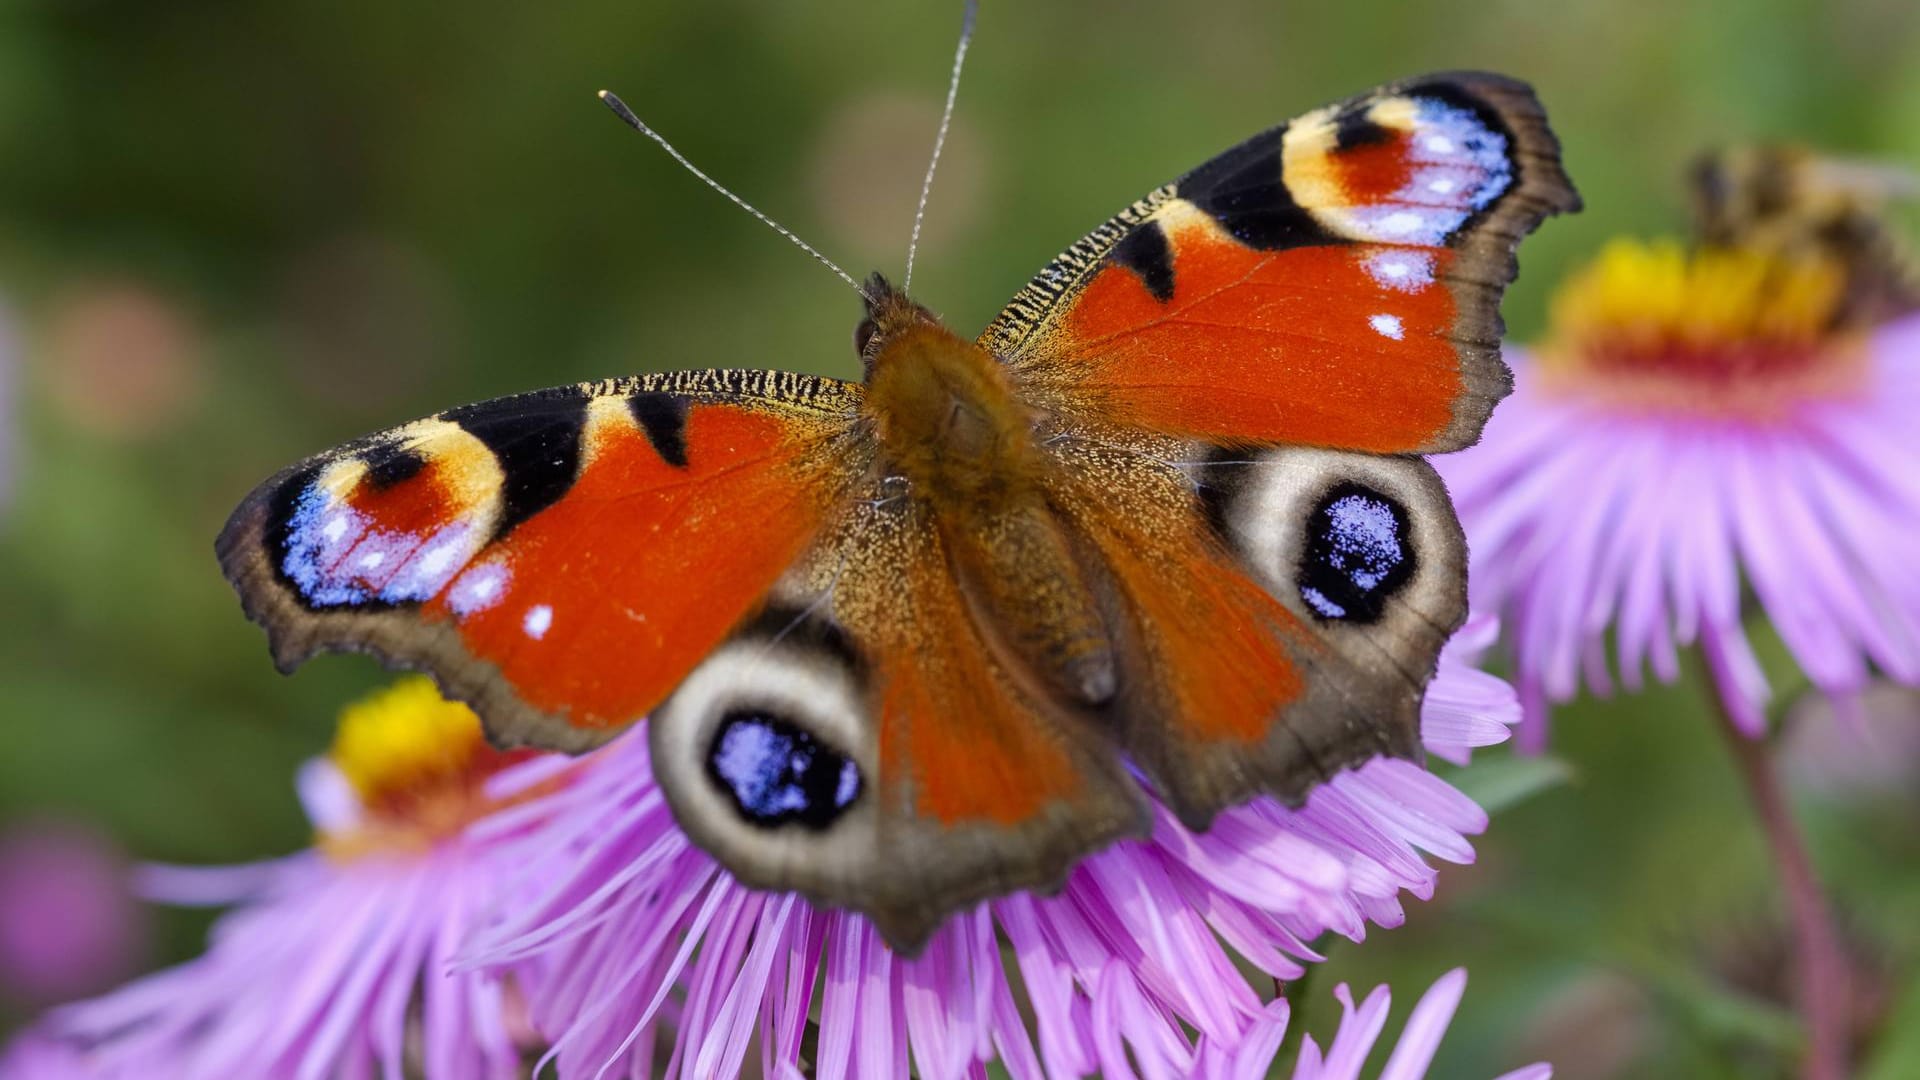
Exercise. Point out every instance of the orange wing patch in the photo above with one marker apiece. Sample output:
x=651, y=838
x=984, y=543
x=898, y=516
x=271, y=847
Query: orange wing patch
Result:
x=982, y=783
x=1215, y=643
x=597, y=606
x=961, y=738
x=956, y=737
x=1310, y=346
x=1227, y=689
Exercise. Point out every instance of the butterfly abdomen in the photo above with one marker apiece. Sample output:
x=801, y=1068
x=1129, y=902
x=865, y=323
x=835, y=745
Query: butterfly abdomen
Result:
x=1026, y=587
x=950, y=423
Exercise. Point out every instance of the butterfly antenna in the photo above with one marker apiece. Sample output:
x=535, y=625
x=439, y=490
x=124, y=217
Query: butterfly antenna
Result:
x=625, y=114
x=940, y=140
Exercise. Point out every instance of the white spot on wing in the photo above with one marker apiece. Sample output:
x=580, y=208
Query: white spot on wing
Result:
x=478, y=589
x=1387, y=326
x=437, y=559
x=1440, y=144
x=539, y=619
x=1400, y=269
x=1442, y=186
x=1400, y=223
x=433, y=562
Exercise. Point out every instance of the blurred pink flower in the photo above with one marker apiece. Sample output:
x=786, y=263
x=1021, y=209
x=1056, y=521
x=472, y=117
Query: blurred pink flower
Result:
x=122, y=359
x=35, y=1055
x=1697, y=420
x=69, y=924
x=337, y=960
x=639, y=955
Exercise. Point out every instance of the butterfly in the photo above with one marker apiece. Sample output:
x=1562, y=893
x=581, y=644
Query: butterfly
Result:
x=907, y=644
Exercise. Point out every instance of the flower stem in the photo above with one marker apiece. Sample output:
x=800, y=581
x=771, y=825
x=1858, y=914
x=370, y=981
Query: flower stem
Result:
x=1820, y=962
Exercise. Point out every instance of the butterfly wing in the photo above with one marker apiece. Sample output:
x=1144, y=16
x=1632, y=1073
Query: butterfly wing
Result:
x=863, y=743
x=560, y=559
x=1333, y=282
x=1235, y=372
x=1282, y=610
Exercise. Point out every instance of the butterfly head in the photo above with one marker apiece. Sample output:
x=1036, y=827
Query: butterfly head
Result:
x=890, y=314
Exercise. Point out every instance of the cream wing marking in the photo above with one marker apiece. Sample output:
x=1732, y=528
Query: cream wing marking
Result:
x=767, y=752
x=1368, y=545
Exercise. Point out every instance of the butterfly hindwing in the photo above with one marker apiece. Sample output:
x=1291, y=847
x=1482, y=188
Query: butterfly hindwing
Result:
x=864, y=743
x=1333, y=282
x=538, y=554
x=1281, y=610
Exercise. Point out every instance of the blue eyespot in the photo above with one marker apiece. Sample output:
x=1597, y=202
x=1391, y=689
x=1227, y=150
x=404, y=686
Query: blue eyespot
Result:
x=777, y=773
x=1358, y=554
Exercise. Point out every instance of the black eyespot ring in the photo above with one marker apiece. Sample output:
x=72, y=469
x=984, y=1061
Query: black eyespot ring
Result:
x=777, y=773
x=1359, y=553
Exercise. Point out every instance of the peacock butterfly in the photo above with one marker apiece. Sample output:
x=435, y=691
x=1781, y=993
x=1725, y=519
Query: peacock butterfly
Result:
x=912, y=642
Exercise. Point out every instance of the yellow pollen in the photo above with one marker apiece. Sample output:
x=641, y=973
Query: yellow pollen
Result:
x=418, y=763
x=1719, y=330
x=405, y=738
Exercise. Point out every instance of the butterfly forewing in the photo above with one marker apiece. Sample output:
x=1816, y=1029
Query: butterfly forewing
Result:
x=561, y=559
x=1332, y=282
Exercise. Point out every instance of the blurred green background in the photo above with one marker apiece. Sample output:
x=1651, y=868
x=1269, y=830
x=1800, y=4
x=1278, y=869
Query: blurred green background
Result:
x=234, y=233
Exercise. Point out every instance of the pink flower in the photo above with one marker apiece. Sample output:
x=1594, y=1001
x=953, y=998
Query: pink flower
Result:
x=34, y=1055
x=336, y=960
x=639, y=955
x=1695, y=422
x=69, y=924
x=570, y=888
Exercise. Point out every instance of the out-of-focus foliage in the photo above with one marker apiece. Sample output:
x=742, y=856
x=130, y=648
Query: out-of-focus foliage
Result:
x=235, y=233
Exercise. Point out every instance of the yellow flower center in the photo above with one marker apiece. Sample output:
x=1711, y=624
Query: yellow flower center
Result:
x=419, y=764
x=1728, y=330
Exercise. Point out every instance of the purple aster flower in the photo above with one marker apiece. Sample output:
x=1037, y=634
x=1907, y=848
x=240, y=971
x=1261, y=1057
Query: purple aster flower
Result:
x=1696, y=420
x=35, y=1055
x=639, y=955
x=69, y=924
x=336, y=960
x=1360, y=1026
